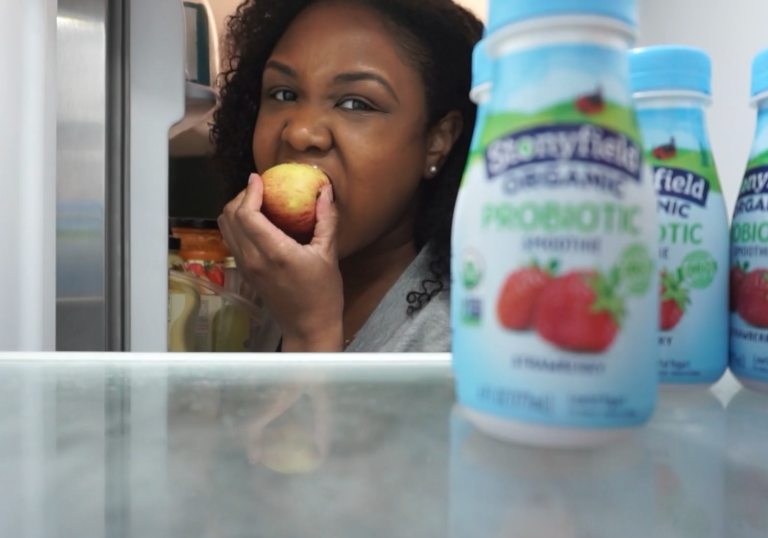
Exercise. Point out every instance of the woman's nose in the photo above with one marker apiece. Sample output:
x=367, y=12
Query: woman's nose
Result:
x=307, y=130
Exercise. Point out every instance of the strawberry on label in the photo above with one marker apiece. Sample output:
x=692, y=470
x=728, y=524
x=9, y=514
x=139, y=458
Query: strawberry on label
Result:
x=753, y=298
x=738, y=274
x=580, y=312
x=520, y=295
x=674, y=300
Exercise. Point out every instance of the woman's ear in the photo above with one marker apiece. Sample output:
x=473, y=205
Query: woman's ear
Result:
x=440, y=141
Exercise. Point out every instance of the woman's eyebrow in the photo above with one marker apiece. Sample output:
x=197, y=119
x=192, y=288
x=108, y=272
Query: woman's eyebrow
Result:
x=357, y=76
x=281, y=68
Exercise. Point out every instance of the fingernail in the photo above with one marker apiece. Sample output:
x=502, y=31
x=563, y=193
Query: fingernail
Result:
x=251, y=179
x=329, y=190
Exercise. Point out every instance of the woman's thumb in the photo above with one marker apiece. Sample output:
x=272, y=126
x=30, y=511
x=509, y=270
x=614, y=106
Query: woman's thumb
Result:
x=327, y=220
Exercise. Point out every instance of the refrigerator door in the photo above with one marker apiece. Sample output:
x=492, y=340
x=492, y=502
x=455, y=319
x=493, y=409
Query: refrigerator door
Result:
x=85, y=182
x=120, y=89
x=156, y=103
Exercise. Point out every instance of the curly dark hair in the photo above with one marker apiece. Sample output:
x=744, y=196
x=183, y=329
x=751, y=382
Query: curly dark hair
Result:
x=438, y=36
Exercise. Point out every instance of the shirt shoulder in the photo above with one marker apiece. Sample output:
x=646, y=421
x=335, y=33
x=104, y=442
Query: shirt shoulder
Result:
x=391, y=329
x=427, y=331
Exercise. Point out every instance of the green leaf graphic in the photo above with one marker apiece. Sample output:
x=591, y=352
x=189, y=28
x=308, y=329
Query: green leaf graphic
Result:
x=636, y=268
x=698, y=269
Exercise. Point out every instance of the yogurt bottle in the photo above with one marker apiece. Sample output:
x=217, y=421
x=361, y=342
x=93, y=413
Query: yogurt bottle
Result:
x=482, y=84
x=672, y=88
x=554, y=334
x=749, y=251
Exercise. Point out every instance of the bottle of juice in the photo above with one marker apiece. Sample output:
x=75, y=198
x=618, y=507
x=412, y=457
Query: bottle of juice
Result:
x=464, y=269
x=749, y=251
x=556, y=344
x=672, y=87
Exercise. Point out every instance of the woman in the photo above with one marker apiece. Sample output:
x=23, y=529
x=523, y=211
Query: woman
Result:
x=375, y=94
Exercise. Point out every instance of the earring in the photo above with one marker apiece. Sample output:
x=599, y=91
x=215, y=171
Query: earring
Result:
x=433, y=169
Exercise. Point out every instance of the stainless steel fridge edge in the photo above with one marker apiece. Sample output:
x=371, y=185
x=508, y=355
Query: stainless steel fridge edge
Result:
x=81, y=179
x=118, y=169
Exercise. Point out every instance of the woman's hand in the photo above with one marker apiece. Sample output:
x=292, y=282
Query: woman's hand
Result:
x=300, y=284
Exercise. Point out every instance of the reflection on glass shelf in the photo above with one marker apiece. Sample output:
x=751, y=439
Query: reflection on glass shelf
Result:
x=293, y=452
x=504, y=491
x=686, y=440
x=142, y=449
x=747, y=471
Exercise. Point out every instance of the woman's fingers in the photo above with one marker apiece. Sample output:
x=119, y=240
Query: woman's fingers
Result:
x=266, y=236
x=247, y=202
x=227, y=224
x=327, y=221
x=227, y=233
x=253, y=194
x=266, y=240
x=246, y=231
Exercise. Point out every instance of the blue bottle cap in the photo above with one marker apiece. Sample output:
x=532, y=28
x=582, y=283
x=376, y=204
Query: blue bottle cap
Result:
x=482, y=66
x=760, y=73
x=505, y=12
x=670, y=67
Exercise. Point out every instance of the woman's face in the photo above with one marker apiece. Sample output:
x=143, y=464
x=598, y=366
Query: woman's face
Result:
x=340, y=94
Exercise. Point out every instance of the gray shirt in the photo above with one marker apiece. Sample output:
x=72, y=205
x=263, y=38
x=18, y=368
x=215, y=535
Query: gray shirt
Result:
x=391, y=330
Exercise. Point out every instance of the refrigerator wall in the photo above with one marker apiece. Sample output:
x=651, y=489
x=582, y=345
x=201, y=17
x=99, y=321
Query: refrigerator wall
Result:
x=732, y=33
x=27, y=175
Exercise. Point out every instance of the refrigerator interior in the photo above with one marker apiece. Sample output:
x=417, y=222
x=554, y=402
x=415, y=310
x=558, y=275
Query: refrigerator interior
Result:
x=121, y=70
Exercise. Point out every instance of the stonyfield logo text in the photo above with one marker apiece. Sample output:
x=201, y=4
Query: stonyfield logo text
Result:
x=584, y=156
x=681, y=184
x=753, y=197
x=755, y=182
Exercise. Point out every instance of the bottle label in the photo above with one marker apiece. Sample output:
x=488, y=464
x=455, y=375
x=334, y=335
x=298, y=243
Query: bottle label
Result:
x=749, y=265
x=693, y=246
x=554, y=301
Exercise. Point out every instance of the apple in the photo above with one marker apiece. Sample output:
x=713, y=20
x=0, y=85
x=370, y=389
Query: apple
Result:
x=290, y=196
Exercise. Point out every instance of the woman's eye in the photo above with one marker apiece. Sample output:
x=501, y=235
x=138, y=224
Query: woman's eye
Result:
x=355, y=104
x=284, y=95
